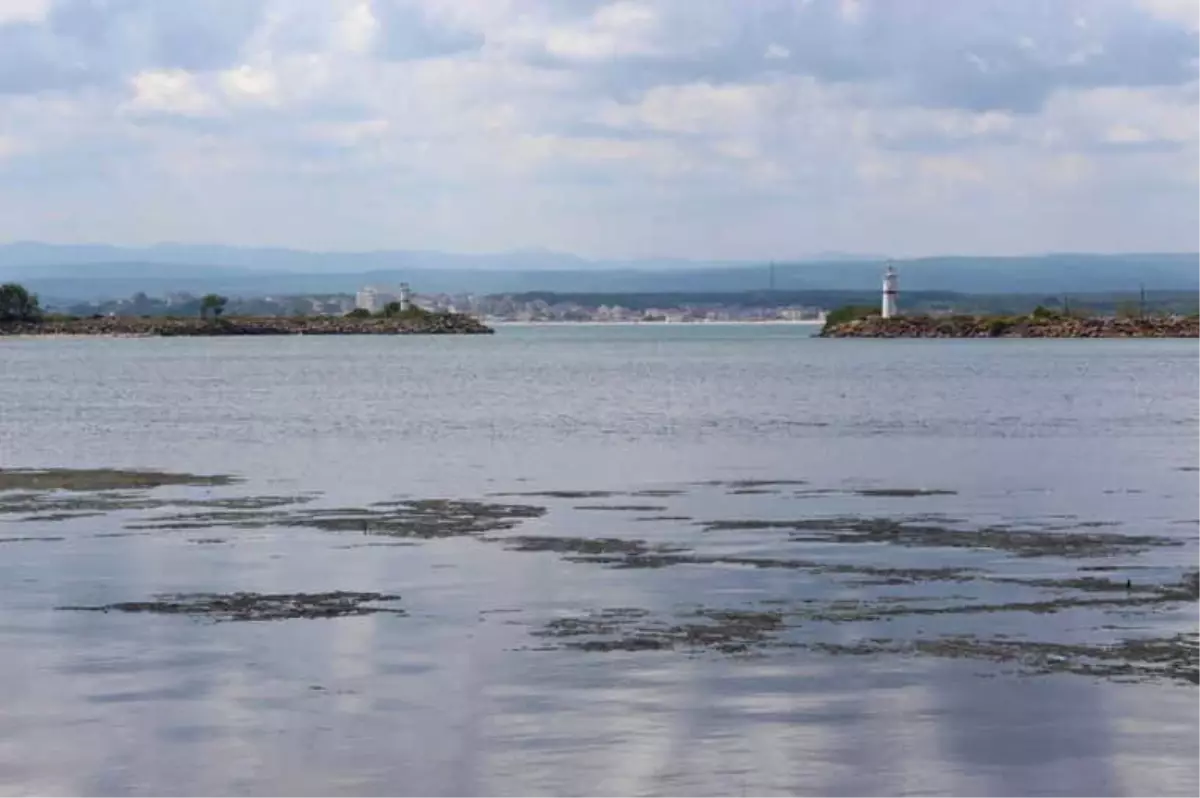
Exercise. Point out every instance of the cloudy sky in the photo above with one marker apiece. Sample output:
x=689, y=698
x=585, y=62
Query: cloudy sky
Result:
x=627, y=128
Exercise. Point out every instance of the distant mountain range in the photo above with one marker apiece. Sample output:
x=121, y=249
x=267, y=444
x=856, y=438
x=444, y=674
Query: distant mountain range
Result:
x=78, y=272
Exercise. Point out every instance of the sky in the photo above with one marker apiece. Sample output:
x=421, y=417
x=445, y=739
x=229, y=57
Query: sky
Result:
x=660, y=128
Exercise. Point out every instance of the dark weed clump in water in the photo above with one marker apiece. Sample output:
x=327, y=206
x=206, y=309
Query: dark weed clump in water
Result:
x=100, y=479
x=646, y=493
x=902, y=493
x=1020, y=542
x=633, y=553
x=774, y=624
x=256, y=606
x=743, y=487
x=624, y=629
x=63, y=495
x=1173, y=658
x=627, y=508
x=562, y=494
x=582, y=546
x=416, y=518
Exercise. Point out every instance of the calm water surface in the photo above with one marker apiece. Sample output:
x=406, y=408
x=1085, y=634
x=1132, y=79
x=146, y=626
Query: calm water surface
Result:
x=884, y=601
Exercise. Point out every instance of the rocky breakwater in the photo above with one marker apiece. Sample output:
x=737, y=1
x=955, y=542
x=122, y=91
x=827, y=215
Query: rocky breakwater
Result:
x=1014, y=327
x=422, y=324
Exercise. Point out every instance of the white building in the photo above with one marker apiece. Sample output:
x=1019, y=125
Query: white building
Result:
x=372, y=300
x=800, y=314
x=367, y=299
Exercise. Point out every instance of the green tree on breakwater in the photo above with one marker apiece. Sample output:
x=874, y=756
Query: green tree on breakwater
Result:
x=392, y=311
x=212, y=302
x=17, y=304
x=849, y=313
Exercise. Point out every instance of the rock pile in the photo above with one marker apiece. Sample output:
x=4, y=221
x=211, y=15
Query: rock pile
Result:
x=1015, y=327
x=426, y=324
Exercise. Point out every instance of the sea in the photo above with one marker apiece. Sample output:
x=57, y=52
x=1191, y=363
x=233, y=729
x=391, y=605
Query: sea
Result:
x=598, y=560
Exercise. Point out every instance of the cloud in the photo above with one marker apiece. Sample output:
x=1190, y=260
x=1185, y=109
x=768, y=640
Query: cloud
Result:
x=979, y=56
x=170, y=91
x=183, y=34
x=28, y=62
x=76, y=43
x=24, y=11
x=700, y=128
x=407, y=32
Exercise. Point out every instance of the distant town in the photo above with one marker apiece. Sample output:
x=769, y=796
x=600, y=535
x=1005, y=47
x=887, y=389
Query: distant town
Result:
x=534, y=307
x=487, y=308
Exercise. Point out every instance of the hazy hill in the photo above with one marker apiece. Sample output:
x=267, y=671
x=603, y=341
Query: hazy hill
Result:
x=89, y=272
x=25, y=255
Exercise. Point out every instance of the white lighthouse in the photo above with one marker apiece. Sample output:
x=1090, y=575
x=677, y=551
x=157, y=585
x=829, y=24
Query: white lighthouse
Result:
x=405, y=297
x=890, y=292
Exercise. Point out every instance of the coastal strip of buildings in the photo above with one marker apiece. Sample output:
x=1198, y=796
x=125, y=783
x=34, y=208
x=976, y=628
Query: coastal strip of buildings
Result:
x=486, y=308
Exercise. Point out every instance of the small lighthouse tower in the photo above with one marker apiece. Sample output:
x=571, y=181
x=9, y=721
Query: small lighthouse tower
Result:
x=405, y=297
x=890, y=292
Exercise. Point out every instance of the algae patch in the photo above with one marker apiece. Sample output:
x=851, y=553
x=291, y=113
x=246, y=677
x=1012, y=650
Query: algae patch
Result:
x=624, y=508
x=628, y=629
x=1173, y=658
x=785, y=623
x=102, y=479
x=635, y=553
x=51, y=495
x=749, y=487
x=584, y=547
x=562, y=494
x=256, y=606
x=416, y=518
x=1059, y=542
x=902, y=493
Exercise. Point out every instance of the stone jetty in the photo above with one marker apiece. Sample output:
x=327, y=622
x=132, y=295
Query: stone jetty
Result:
x=123, y=326
x=1015, y=327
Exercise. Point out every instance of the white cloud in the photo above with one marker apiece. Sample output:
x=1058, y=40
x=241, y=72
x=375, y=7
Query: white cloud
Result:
x=9, y=147
x=248, y=83
x=776, y=52
x=851, y=10
x=699, y=108
x=1069, y=169
x=623, y=28
x=1126, y=134
x=952, y=169
x=708, y=130
x=171, y=91
x=23, y=11
x=355, y=31
x=1181, y=12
